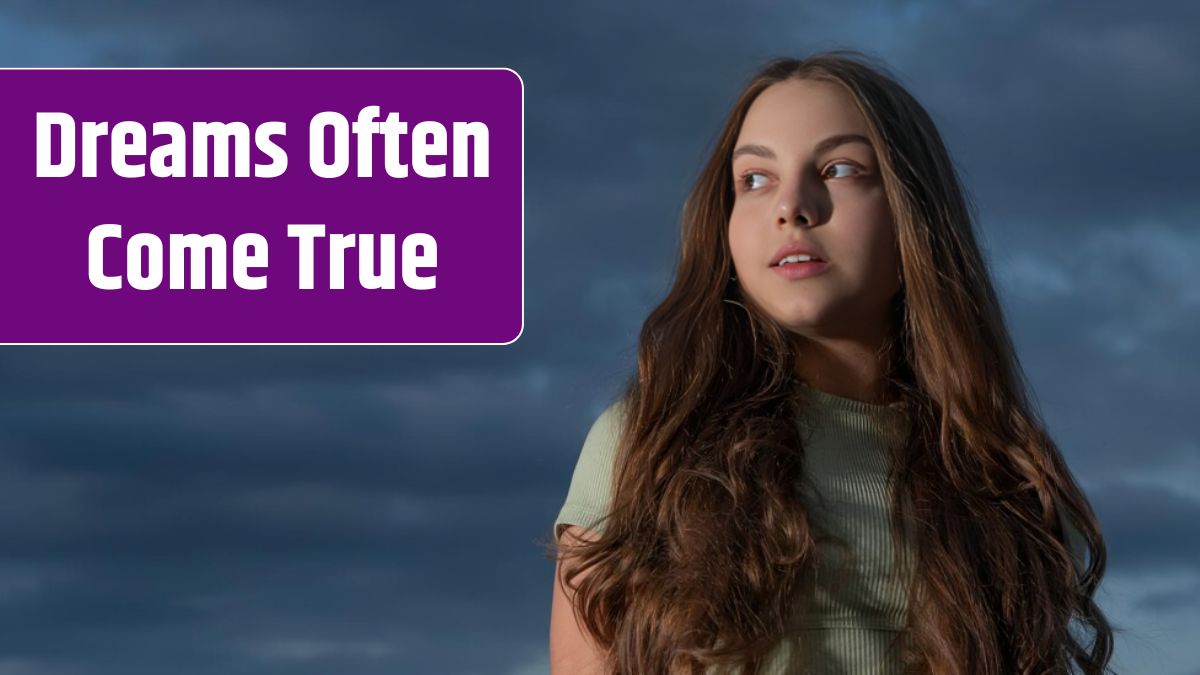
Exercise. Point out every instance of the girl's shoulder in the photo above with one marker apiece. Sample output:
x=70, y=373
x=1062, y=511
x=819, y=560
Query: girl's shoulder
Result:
x=589, y=494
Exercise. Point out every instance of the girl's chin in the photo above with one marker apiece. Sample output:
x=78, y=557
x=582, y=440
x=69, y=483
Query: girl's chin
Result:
x=798, y=314
x=797, y=322
x=806, y=319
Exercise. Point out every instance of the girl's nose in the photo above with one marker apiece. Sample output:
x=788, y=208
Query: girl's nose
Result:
x=797, y=205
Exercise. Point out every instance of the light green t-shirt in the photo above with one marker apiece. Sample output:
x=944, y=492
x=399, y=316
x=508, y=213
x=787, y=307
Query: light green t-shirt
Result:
x=856, y=599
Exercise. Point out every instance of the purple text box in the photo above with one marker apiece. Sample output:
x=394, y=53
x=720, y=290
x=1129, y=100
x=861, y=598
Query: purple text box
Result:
x=48, y=296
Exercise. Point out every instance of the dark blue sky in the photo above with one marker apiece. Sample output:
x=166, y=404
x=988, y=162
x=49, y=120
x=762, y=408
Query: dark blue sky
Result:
x=367, y=510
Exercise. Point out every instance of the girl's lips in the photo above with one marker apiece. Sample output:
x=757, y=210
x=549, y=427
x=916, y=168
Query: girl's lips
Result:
x=801, y=270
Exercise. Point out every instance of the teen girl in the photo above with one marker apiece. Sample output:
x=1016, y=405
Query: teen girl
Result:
x=826, y=461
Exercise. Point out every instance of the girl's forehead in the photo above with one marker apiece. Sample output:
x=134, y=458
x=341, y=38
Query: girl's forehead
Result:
x=802, y=109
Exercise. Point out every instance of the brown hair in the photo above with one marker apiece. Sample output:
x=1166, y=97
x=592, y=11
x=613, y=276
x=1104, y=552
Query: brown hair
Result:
x=702, y=553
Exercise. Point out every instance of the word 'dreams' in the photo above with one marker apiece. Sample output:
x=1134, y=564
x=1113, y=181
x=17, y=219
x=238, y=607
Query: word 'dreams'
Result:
x=167, y=159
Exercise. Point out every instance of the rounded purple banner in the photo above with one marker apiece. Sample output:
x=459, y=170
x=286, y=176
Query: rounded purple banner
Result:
x=262, y=206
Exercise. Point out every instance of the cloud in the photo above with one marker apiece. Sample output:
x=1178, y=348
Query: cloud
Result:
x=350, y=508
x=310, y=650
x=1151, y=636
x=1148, y=528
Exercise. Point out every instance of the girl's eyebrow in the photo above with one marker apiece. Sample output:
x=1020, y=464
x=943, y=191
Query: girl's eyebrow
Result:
x=824, y=146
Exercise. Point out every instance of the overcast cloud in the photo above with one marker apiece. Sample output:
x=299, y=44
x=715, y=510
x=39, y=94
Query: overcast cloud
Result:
x=376, y=510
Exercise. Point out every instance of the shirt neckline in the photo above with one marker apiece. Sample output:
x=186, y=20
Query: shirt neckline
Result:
x=830, y=401
x=888, y=423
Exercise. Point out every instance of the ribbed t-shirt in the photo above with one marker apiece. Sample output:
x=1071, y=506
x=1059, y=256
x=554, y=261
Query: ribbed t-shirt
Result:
x=855, y=603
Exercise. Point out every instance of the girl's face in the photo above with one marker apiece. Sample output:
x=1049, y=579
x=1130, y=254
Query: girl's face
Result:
x=805, y=173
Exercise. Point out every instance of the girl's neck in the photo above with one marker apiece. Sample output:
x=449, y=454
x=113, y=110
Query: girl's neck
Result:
x=849, y=369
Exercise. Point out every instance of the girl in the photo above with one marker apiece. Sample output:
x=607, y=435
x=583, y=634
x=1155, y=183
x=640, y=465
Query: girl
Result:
x=826, y=461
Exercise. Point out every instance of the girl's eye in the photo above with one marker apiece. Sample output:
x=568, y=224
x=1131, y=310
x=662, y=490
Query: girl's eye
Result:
x=746, y=182
x=839, y=164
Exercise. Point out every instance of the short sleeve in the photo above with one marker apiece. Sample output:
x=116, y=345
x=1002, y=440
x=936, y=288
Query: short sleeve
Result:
x=589, y=495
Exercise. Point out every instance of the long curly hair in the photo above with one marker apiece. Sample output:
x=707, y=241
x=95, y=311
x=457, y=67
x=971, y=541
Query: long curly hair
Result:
x=704, y=549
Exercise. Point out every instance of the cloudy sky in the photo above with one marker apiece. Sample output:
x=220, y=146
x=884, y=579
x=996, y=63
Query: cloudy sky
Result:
x=229, y=510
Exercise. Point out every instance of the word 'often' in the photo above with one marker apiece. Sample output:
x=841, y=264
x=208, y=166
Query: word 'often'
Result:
x=168, y=148
x=417, y=251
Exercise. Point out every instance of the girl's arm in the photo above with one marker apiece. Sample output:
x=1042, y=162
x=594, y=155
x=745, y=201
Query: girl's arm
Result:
x=572, y=651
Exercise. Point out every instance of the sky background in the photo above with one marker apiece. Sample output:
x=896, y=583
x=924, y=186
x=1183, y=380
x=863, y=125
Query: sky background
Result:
x=361, y=510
